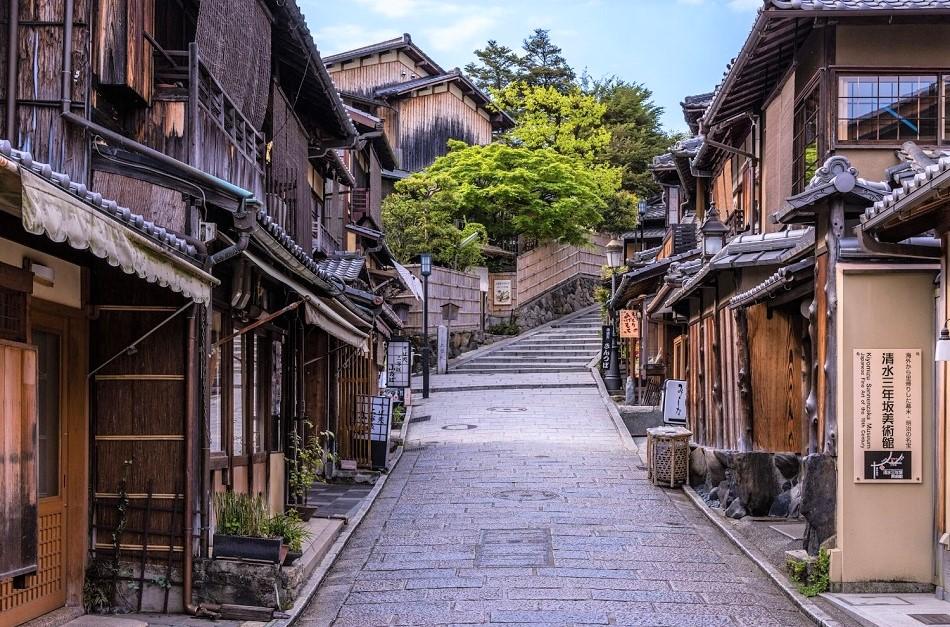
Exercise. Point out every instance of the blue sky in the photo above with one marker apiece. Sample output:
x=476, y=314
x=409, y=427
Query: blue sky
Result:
x=675, y=47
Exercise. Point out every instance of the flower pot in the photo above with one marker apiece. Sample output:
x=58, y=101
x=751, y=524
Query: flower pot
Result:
x=284, y=550
x=292, y=556
x=306, y=511
x=243, y=547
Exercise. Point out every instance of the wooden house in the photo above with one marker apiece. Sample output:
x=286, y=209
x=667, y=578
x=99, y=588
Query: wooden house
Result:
x=807, y=131
x=421, y=104
x=165, y=183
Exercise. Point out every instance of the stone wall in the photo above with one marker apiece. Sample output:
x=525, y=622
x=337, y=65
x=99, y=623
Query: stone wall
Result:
x=769, y=484
x=459, y=342
x=570, y=296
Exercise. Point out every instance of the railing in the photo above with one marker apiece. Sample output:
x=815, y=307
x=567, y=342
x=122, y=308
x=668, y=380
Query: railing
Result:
x=359, y=203
x=323, y=240
x=221, y=140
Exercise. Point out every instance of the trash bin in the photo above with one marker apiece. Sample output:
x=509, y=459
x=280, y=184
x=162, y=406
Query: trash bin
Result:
x=668, y=455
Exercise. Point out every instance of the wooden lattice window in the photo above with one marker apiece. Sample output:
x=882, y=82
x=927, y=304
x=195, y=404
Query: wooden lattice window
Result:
x=16, y=285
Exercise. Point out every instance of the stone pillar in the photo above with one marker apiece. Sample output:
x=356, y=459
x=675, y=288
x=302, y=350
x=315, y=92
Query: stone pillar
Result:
x=443, y=349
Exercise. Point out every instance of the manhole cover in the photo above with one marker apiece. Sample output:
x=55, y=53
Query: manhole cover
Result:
x=526, y=495
x=522, y=548
x=459, y=427
x=420, y=419
x=506, y=410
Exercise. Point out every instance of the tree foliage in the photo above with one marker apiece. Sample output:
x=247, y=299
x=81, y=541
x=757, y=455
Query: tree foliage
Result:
x=497, y=66
x=571, y=123
x=510, y=190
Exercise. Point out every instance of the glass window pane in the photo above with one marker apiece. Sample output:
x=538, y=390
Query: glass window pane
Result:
x=47, y=392
x=254, y=380
x=277, y=392
x=237, y=395
x=215, y=422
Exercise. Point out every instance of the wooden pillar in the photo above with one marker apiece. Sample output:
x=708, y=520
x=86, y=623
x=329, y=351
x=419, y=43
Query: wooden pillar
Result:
x=701, y=376
x=717, y=372
x=810, y=373
x=833, y=244
x=746, y=438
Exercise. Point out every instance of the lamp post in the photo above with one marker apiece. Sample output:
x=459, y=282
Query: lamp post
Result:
x=614, y=260
x=642, y=209
x=713, y=232
x=425, y=269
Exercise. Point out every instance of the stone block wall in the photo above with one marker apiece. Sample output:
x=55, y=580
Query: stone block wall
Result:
x=570, y=296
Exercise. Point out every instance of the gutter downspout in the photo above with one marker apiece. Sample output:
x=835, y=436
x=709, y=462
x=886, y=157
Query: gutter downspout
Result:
x=12, y=61
x=913, y=248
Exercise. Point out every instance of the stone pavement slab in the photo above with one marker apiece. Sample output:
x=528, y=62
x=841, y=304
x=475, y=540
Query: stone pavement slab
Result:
x=521, y=506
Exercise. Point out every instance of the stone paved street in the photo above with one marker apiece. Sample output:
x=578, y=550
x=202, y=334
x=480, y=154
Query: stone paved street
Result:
x=522, y=506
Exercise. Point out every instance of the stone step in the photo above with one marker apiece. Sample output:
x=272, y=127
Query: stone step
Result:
x=504, y=360
x=518, y=370
x=542, y=352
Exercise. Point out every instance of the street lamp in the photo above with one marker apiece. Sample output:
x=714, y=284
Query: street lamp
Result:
x=425, y=269
x=614, y=259
x=713, y=232
x=641, y=211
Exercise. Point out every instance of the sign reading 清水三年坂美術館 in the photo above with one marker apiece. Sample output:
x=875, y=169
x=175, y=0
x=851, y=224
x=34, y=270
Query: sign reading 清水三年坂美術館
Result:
x=887, y=390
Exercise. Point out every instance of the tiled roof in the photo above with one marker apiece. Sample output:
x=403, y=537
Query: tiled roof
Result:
x=662, y=162
x=836, y=176
x=295, y=249
x=346, y=267
x=922, y=183
x=398, y=43
x=786, y=275
x=858, y=5
x=153, y=231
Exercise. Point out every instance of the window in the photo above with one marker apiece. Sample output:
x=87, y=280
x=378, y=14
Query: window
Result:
x=805, y=143
x=673, y=205
x=47, y=395
x=889, y=109
x=276, y=391
x=237, y=395
x=254, y=380
x=216, y=424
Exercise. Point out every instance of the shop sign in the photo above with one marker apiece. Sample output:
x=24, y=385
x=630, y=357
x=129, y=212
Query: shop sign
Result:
x=502, y=292
x=398, y=363
x=674, y=402
x=606, y=342
x=629, y=324
x=887, y=415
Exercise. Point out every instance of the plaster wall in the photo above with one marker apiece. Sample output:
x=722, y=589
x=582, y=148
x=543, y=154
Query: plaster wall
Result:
x=885, y=533
x=67, y=285
x=893, y=45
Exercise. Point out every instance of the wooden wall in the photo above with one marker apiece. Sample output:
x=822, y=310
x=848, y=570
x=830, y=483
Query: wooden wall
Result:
x=777, y=153
x=288, y=189
x=445, y=286
x=427, y=121
x=775, y=349
x=158, y=204
x=548, y=266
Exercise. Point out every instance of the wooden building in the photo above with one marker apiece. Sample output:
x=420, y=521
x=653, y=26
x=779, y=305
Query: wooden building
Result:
x=421, y=104
x=806, y=132
x=168, y=315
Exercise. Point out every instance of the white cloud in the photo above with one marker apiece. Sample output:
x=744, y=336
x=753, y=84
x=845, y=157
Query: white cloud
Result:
x=342, y=37
x=411, y=8
x=466, y=31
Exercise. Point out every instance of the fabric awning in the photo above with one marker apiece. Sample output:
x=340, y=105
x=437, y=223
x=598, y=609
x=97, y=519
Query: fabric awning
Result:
x=62, y=216
x=317, y=311
x=413, y=283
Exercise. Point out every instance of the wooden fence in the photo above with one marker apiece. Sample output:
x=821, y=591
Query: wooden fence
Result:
x=548, y=266
x=446, y=286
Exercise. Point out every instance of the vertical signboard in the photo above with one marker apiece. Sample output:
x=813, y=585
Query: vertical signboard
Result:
x=674, y=402
x=629, y=324
x=398, y=363
x=887, y=415
x=607, y=337
x=502, y=290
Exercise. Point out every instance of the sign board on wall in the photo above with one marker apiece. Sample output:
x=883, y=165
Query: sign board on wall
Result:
x=674, y=402
x=398, y=363
x=606, y=342
x=502, y=292
x=888, y=416
x=629, y=324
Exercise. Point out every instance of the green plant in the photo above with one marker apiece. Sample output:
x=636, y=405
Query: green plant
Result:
x=241, y=515
x=399, y=414
x=97, y=588
x=290, y=529
x=811, y=580
x=510, y=327
x=307, y=465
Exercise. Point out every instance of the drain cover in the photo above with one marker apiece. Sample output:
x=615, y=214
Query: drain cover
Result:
x=459, y=427
x=932, y=619
x=420, y=419
x=526, y=495
x=507, y=409
x=524, y=548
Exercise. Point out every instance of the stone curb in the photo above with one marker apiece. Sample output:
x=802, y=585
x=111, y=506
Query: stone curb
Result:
x=484, y=350
x=320, y=573
x=810, y=609
x=626, y=440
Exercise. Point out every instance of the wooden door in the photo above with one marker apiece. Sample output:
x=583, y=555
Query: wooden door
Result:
x=44, y=591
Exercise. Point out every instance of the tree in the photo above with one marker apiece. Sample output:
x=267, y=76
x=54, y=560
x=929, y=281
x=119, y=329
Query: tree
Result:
x=572, y=122
x=419, y=219
x=511, y=190
x=497, y=66
x=636, y=135
x=543, y=64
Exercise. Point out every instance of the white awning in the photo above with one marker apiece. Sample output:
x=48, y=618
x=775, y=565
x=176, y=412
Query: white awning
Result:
x=413, y=283
x=62, y=217
x=317, y=311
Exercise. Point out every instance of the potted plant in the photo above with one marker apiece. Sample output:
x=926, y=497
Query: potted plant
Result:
x=309, y=465
x=292, y=531
x=243, y=529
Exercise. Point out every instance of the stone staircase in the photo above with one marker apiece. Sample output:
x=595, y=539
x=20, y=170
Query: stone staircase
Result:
x=566, y=346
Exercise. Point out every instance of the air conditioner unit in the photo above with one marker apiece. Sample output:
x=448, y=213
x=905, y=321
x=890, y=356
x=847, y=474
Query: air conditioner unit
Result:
x=207, y=231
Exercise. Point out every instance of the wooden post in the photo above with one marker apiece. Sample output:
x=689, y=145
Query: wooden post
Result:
x=810, y=374
x=745, y=378
x=701, y=376
x=833, y=244
x=717, y=374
